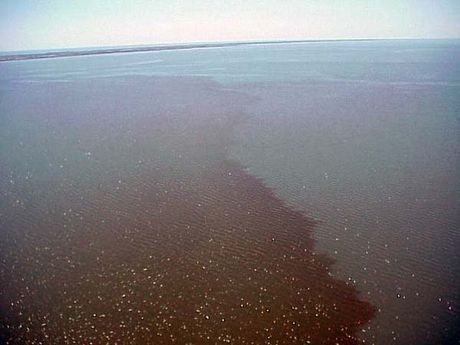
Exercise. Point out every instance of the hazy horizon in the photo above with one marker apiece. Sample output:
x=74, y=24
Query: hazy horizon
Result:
x=39, y=25
x=267, y=41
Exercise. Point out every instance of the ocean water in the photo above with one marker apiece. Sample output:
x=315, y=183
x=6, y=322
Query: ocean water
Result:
x=361, y=136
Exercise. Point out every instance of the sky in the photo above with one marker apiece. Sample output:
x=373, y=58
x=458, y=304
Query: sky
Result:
x=51, y=24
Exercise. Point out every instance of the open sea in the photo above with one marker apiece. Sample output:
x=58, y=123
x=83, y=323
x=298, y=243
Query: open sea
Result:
x=288, y=193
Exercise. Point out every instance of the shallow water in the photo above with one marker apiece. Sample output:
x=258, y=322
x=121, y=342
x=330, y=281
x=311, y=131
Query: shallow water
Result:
x=124, y=221
x=379, y=169
x=362, y=136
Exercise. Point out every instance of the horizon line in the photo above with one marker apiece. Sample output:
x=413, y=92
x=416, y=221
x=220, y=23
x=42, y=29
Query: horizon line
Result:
x=49, y=53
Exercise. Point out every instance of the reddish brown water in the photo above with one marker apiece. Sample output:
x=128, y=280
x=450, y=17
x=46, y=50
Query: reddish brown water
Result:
x=123, y=222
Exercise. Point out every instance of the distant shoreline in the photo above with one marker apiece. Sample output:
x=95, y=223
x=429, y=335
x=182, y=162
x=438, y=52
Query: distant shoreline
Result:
x=136, y=49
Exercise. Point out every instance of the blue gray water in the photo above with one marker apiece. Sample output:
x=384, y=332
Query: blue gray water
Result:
x=363, y=136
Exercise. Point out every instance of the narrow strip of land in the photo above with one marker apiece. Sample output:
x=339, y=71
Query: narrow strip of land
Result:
x=138, y=49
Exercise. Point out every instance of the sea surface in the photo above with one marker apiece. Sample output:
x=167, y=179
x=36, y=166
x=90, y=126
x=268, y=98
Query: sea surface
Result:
x=209, y=173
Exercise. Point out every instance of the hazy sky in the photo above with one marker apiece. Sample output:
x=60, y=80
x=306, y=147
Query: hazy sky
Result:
x=39, y=24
